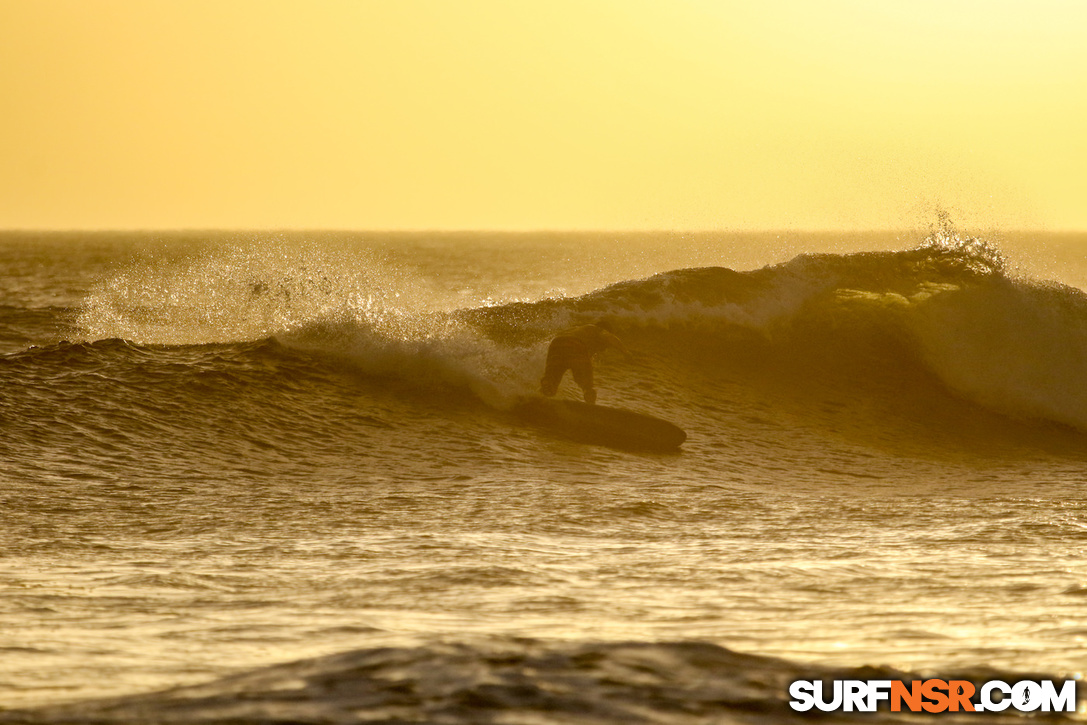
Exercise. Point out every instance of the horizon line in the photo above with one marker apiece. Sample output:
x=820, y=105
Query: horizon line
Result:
x=541, y=230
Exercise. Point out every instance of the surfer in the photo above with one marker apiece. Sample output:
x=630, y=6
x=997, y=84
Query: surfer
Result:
x=573, y=350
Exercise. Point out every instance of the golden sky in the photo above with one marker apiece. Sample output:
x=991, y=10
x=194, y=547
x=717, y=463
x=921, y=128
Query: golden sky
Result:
x=549, y=114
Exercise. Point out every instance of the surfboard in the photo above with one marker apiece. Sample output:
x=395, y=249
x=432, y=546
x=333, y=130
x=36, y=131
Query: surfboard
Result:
x=601, y=424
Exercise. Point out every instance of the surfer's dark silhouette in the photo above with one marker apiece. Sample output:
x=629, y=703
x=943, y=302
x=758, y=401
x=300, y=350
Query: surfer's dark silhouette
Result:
x=573, y=350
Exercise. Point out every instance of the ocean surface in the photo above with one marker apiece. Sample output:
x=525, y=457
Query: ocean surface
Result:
x=285, y=473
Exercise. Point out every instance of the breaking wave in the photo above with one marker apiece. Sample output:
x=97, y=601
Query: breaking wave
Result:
x=913, y=335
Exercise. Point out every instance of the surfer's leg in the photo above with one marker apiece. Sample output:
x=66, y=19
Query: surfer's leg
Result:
x=583, y=376
x=564, y=353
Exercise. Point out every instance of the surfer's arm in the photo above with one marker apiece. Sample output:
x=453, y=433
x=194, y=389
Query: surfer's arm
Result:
x=613, y=341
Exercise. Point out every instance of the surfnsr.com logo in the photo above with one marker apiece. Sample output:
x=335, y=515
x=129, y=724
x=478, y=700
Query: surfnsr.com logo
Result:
x=933, y=696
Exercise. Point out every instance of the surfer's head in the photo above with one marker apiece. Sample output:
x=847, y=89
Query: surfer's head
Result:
x=605, y=326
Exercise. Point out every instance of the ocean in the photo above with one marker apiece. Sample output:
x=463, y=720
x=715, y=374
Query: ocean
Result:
x=281, y=477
